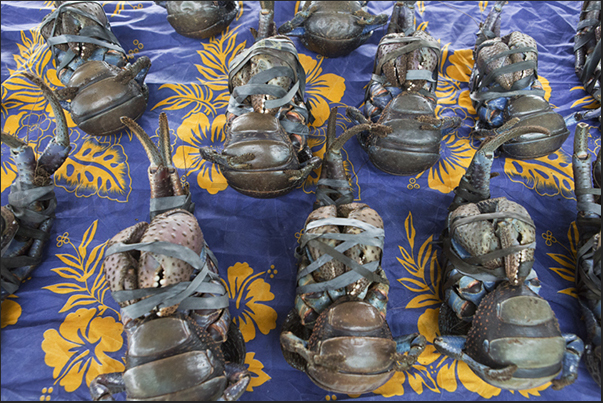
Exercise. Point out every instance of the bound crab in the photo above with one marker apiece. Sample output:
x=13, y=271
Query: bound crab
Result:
x=182, y=343
x=200, y=19
x=587, y=48
x=333, y=29
x=101, y=85
x=492, y=317
x=337, y=332
x=504, y=85
x=588, y=262
x=401, y=95
x=29, y=216
x=266, y=153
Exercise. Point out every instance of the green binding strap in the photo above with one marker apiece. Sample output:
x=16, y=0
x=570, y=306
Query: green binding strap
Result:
x=177, y=294
x=100, y=35
x=371, y=235
x=274, y=47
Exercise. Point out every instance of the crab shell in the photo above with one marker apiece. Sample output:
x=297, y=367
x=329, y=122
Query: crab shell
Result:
x=102, y=99
x=99, y=96
x=263, y=136
x=531, y=109
x=514, y=326
x=127, y=270
x=356, y=330
x=309, y=306
x=200, y=19
x=482, y=237
x=332, y=30
x=412, y=147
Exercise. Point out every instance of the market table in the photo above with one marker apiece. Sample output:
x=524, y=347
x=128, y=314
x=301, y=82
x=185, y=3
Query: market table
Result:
x=62, y=327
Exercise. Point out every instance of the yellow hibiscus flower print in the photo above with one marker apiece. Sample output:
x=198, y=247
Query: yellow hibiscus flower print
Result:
x=249, y=293
x=11, y=312
x=321, y=89
x=196, y=132
x=254, y=366
x=79, y=349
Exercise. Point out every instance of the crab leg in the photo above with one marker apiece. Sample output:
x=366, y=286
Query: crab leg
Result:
x=403, y=18
x=491, y=27
x=159, y=176
x=266, y=26
x=475, y=184
x=105, y=385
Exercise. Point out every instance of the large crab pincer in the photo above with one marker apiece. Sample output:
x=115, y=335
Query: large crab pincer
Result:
x=492, y=317
x=504, y=85
x=401, y=95
x=182, y=344
x=337, y=332
x=587, y=48
x=101, y=85
x=333, y=28
x=29, y=216
x=200, y=19
x=266, y=153
x=588, y=262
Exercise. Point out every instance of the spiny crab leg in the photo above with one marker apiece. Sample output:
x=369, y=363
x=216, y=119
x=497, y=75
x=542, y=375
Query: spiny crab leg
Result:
x=403, y=18
x=475, y=184
x=491, y=27
x=266, y=24
x=159, y=171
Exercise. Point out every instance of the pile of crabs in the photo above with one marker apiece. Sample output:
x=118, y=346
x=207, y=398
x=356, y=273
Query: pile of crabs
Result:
x=182, y=341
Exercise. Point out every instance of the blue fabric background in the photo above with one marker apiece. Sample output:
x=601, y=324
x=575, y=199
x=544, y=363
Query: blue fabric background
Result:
x=262, y=233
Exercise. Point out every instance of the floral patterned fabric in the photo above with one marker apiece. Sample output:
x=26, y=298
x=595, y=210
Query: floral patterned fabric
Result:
x=62, y=327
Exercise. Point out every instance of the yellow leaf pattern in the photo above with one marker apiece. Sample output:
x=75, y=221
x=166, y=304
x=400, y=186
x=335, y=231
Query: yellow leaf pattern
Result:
x=94, y=169
x=83, y=267
x=565, y=262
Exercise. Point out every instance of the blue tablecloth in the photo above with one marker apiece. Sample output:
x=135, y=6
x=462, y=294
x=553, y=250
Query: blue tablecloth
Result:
x=62, y=328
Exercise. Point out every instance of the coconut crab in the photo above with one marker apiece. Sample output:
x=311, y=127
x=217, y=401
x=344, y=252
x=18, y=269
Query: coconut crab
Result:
x=587, y=48
x=588, y=262
x=200, y=19
x=337, y=332
x=333, y=29
x=182, y=343
x=401, y=95
x=492, y=317
x=266, y=153
x=101, y=86
x=29, y=216
x=504, y=85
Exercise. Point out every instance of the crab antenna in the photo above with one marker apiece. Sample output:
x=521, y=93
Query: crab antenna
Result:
x=154, y=157
x=165, y=147
x=266, y=24
x=62, y=133
x=491, y=27
x=403, y=18
x=475, y=184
